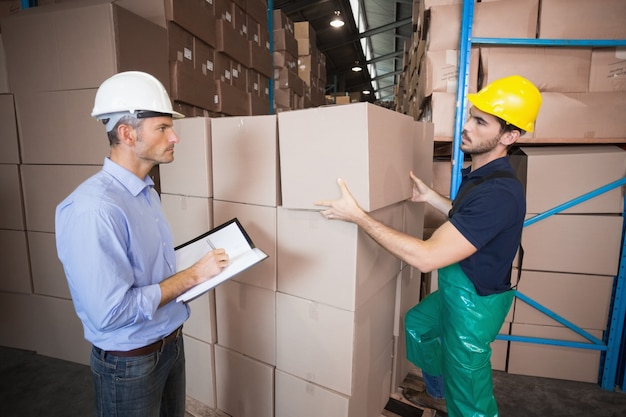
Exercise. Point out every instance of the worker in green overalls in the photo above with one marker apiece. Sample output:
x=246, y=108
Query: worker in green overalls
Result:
x=450, y=331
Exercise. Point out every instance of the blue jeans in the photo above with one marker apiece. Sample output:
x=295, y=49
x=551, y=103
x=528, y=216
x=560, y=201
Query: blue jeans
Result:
x=434, y=385
x=152, y=385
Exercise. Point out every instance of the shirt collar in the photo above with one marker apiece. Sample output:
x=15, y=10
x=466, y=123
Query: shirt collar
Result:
x=130, y=181
x=495, y=165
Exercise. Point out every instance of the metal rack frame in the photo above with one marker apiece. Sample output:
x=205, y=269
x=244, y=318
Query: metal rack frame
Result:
x=613, y=336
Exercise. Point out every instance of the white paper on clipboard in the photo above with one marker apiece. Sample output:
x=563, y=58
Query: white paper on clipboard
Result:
x=229, y=236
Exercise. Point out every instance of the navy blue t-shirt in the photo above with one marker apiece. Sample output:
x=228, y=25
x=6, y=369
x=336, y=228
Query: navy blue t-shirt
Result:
x=490, y=216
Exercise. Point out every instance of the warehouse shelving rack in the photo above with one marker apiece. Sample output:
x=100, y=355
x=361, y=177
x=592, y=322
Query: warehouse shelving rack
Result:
x=610, y=346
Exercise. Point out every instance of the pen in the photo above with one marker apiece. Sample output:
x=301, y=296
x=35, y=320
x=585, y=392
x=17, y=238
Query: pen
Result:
x=210, y=243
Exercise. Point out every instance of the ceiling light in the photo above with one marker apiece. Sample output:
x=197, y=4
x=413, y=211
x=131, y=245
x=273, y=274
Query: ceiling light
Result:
x=356, y=67
x=366, y=92
x=337, y=21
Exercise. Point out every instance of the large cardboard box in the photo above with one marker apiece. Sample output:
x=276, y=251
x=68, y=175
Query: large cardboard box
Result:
x=8, y=130
x=47, y=271
x=232, y=43
x=490, y=21
x=237, y=374
x=583, y=300
x=441, y=111
x=260, y=224
x=245, y=160
x=299, y=397
x=202, y=323
x=187, y=216
x=550, y=361
x=550, y=69
x=198, y=17
x=77, y=45
x=191, y=173
x=370, y=147
x=440, y=71
x=48, y=123
x=246, y=320
x=12, y=216
x=608, y=69
x=332, y=347
x=563, y=19
x=575, y=243
x=582, y=116
x=16, y=261
x=200, y=371
x=554, y=175
x=45, y=186
x=332, y=262
x=230, y=100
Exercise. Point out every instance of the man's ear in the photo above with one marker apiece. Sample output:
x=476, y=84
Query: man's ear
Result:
x=126, y=134
x=510, y=137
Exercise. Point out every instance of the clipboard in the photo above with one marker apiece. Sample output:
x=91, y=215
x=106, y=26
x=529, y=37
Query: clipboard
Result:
x=232, y=237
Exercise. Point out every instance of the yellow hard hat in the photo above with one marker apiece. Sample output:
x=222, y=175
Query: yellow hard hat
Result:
x=514, y=99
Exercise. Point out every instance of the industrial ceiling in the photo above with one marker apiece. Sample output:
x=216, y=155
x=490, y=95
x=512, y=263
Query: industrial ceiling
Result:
x=384, y=26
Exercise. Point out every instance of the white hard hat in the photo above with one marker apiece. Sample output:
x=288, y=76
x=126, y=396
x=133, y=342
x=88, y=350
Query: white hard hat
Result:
x=132, y=92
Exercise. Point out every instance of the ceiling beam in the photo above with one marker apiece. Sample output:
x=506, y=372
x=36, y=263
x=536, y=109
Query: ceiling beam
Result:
x=392, y=55
x=367, y=33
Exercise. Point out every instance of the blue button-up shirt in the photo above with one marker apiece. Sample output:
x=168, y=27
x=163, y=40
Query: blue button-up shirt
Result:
x=116, y=246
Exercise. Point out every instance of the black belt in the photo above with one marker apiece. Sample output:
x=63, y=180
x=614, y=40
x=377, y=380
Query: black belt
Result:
x=146, y=350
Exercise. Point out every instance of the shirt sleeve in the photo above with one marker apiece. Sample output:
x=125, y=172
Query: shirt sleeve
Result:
x=94, y=249
x=485, y=212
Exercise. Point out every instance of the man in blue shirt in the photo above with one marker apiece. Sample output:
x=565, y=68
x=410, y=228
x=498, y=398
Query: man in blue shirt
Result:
x=450, y=331
x=118, y=255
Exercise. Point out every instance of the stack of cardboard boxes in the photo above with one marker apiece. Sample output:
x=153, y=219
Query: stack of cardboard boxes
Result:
x=317, y=327
x=570, y=259
x=584, y=88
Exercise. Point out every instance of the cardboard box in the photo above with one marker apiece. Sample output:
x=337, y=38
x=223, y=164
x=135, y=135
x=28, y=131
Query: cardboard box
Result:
x=8, y=130
x=12, y=216
x=202, y=324
x=282, y=21
x=549, y=361
x=441, y=71
x=260, y=59
x=340, y=346
x=16, y=262
x=257, y=9
x=557, y=69
x=583, y=300
x=235, y=374
x=286, y=78
x=192, y=87
x=200, y=371
x=198, y=17
x=191, y=173
x=608, y=69
x=441, y=111
x=245, y=160
x=231, y=101
x=554, y=175
x=48, y=122
x=45, y=186
x=582, y=116
x=246, y=320
x=378, y=142
x=332, y=262
x=444, y=29
x=575, y=243
x=77, y=45
x=187, y=216
x=285, y=41
x=297, y=396
x=232, y=43
x=561, y=19
x=260, y=224
x=47, y=271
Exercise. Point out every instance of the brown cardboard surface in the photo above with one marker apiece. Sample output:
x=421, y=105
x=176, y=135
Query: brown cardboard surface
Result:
x=232, y=43
x=583, y=116
x=581, y=19
x=554, y=175
x=14, y=246
x=575, y=243
x=198, y=17
x=12, y=215
x=608, y=69
x=77, y=45
x=8, y=131
x=48, y=122
x=581, y=299
x=550, y=69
